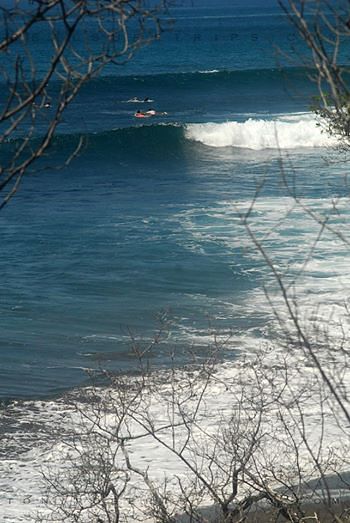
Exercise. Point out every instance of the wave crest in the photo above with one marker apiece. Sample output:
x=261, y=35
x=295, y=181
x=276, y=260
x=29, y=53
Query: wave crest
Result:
x=284, y=132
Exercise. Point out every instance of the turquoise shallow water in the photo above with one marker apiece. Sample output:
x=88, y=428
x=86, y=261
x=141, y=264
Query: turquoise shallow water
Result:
x=145, y=220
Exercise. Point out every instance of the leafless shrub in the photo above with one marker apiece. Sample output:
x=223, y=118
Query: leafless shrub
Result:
x=80, y=39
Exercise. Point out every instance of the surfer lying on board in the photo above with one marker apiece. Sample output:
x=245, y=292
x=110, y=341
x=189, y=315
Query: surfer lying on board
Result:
x=137, y=100
x=147, y=114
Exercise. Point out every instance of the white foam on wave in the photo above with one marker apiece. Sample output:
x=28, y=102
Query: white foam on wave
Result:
x=291, y=131
x=317, y=277
x=209, y=71
x=21, y=480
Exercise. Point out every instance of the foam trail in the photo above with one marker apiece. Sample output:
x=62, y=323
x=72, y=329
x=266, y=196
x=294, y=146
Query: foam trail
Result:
x=285, y=132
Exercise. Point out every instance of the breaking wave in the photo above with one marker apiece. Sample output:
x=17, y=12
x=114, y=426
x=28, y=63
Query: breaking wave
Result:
x=284, y=132
x=293, y=131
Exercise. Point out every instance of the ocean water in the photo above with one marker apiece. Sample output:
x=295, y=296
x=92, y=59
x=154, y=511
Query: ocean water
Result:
x=145, y=223
x=144, y=228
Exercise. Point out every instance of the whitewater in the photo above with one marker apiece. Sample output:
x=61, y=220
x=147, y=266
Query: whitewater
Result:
x=290, y=131
x=286, y=230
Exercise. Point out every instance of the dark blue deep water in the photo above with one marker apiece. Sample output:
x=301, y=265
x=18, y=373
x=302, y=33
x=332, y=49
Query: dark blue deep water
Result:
x=145, y=223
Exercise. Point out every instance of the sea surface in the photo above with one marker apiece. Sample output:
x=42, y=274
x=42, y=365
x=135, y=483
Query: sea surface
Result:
x=143, y=235
x=144, y=229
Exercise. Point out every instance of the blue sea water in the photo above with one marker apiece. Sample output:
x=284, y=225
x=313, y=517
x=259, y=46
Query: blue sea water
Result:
x=145, y=222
